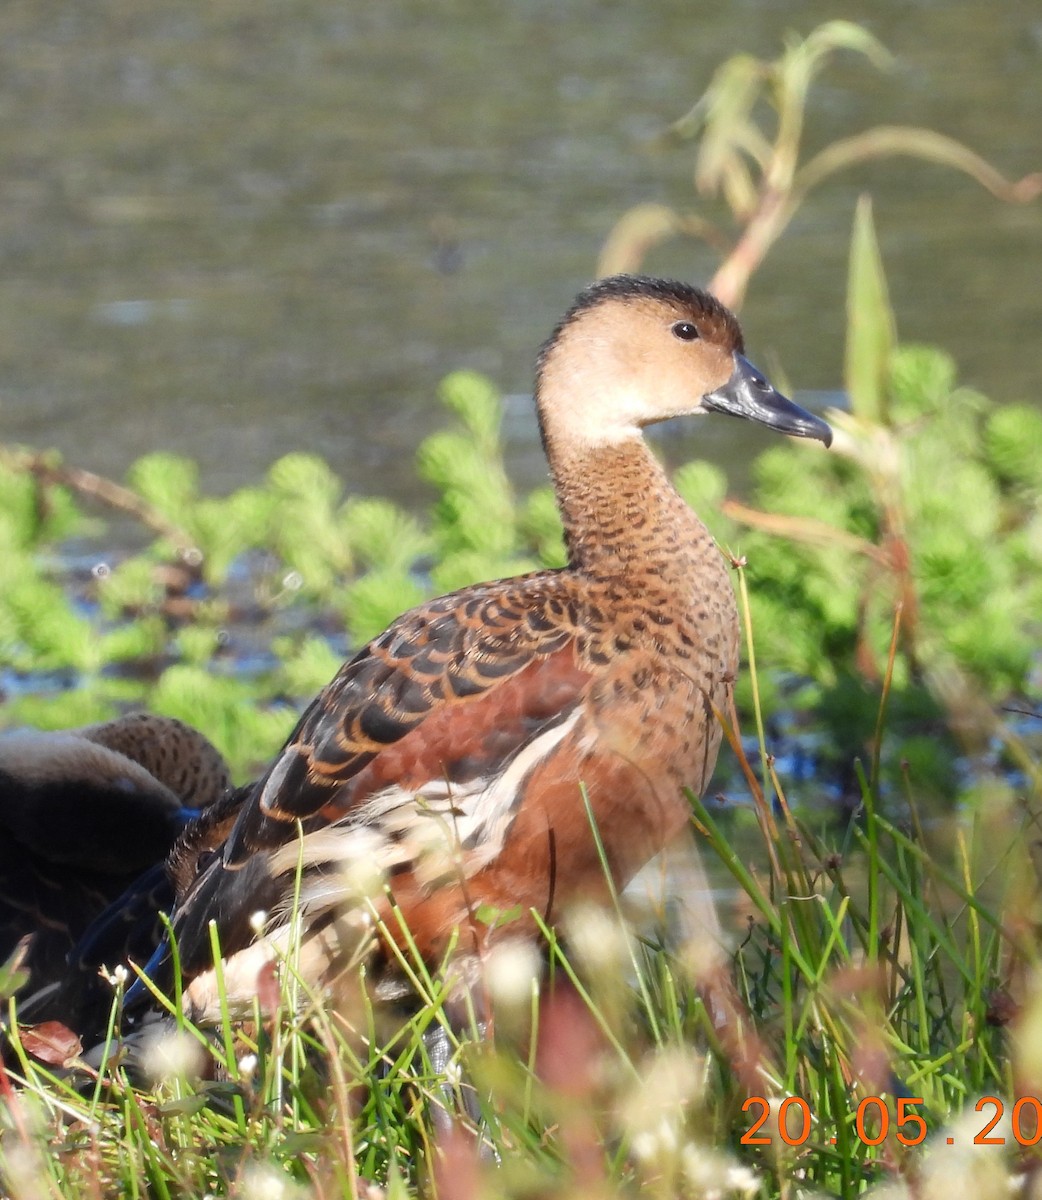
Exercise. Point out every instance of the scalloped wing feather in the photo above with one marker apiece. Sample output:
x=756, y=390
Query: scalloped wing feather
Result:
x=446, y=692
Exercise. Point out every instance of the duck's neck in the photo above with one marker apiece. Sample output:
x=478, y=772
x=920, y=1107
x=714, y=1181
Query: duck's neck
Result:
x=622, y=514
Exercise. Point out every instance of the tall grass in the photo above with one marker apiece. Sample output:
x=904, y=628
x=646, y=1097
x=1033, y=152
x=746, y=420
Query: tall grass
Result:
x=875, y=982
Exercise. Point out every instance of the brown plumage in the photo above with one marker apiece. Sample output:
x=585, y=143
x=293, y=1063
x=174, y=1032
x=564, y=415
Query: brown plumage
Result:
x=82, y=813
x=450, y=750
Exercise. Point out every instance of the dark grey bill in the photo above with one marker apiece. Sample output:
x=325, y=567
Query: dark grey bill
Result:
x=748, y=394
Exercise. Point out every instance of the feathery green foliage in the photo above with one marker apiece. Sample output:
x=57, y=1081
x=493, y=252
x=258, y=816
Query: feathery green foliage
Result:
x=218, y=620
x=927, y=506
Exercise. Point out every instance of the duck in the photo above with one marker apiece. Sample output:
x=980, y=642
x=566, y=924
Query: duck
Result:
x=519, y=746
x=85, y=814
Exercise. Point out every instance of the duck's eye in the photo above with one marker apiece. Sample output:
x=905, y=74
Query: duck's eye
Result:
x=685, y=331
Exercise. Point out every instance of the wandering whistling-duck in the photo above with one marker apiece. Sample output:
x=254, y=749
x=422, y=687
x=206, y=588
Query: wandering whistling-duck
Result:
x=82, y=813
x=454, y=751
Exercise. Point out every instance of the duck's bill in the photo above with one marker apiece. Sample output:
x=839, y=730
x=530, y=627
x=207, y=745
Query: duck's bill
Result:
x=748, y=394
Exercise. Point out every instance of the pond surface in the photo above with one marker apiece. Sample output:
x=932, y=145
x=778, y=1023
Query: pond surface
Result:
x=236, y=229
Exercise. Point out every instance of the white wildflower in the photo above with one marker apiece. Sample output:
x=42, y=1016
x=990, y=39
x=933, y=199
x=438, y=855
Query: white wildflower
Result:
x=172, y=1054
x=512, y=969
x=672, y=1081
x=362, y=877
x=658, y=1142
x=598, y=939
x=117, y=977
x=714, y=1176
x=261, y=1181
x=955, y=1166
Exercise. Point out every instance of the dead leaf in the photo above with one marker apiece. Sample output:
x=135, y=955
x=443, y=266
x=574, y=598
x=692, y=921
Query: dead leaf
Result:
x=52, y=1043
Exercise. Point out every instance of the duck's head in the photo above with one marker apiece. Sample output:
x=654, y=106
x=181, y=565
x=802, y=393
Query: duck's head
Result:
x=633, y=350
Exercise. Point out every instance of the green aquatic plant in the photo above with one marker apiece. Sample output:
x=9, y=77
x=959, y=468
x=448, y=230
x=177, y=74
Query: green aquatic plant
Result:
x=475, y=519
x=240, y=607
x=926, y=515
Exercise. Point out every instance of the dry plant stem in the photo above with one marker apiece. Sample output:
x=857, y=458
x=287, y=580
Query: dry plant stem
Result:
x=743, y=591
x=805, y=529
x=740, y=1046
x=892, y=140
x=97, y=487
x=888, y=678
x=764, y=816
x=646, y=226
x=456, y=1168
x=890, y=499
x=892, y=556
x=788, y=188
x=343, y=1141
x=763, y=229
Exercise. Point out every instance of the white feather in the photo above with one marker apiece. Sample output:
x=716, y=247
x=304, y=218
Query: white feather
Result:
x=441, y=830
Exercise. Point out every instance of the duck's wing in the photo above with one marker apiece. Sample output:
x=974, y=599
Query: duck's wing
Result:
x=82, y=813
x=446, y=713
x=450, y=691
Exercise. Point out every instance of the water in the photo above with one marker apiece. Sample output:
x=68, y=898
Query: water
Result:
x=233, y=230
